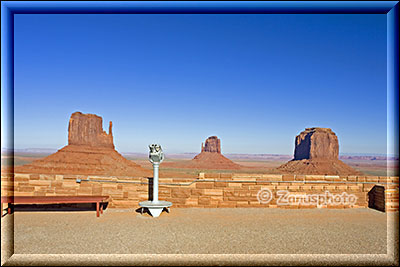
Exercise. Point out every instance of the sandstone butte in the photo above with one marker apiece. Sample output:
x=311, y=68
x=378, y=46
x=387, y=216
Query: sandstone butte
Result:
x=90, y=151
x=209, y=158
x=317, y=152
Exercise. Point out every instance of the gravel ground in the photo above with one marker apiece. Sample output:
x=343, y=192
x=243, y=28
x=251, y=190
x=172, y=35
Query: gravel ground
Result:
x=198, y=231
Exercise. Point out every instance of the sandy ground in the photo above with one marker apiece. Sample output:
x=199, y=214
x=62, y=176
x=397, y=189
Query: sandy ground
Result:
x=198, y=231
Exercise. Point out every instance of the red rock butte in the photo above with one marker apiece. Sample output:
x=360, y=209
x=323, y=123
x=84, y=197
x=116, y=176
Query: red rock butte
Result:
x=317, y=152
x=87, y=130
x=90, y=151
x=213, y=145
x=209, y=158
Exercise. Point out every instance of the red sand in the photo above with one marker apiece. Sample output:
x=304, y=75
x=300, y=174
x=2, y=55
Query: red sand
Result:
x=206, y=160
x=319, y=167
x=85, y=160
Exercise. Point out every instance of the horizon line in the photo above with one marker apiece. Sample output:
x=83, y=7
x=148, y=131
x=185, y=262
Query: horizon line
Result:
x=229, y=153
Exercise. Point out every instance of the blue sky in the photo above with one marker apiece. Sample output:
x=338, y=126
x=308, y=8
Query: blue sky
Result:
x=255, y=81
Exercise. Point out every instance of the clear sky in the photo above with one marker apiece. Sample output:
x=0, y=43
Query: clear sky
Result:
x=255, y=81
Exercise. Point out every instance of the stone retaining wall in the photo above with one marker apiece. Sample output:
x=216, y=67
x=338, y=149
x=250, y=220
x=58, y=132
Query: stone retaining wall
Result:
x=214, y=190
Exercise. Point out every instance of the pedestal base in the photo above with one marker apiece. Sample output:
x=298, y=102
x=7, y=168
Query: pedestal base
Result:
x=155, y=208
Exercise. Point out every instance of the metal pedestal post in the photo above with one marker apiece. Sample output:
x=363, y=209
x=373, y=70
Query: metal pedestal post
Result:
x=155, y=206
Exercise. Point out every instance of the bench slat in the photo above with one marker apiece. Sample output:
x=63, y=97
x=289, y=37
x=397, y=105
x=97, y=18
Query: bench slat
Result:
x=52, y=199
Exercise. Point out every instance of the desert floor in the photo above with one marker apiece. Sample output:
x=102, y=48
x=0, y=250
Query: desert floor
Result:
x=251, y=164
x=202, y=231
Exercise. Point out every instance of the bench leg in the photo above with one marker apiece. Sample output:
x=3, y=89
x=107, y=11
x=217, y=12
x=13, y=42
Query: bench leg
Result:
x=101, y=208
x=9, y=208
x=97, y=209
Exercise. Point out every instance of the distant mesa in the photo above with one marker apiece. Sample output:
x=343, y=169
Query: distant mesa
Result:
x=317, y=152
x=209, y=158
x=90, y=150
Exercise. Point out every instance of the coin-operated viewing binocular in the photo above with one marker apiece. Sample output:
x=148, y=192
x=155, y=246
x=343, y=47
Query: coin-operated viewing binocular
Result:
x=156, y=154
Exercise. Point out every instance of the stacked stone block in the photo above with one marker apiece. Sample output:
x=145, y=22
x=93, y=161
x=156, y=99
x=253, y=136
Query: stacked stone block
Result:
x=209, y=190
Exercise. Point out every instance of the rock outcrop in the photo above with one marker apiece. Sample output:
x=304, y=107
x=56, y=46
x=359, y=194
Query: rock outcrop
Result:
x=90, y=151
x=87, y=130
x=316, y=143
x=317, y=152
x=209, y=158
x=213, y=144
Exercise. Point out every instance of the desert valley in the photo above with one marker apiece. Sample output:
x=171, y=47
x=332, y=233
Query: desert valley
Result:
x=265, y=163
x=88, y=146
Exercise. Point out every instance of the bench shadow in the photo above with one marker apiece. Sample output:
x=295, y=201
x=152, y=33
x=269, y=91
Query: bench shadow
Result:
x=56, y=207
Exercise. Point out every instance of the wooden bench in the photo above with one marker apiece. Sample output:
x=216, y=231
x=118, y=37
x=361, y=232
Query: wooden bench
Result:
x=11, y=200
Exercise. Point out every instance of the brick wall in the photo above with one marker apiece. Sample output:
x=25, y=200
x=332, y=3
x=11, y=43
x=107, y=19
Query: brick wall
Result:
x=212, y=190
